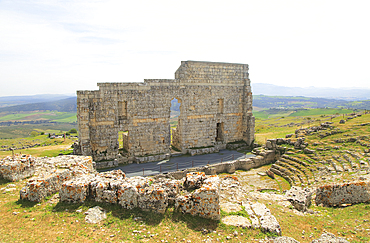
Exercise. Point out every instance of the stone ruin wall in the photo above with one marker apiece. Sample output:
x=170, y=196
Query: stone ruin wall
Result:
x=213, y=96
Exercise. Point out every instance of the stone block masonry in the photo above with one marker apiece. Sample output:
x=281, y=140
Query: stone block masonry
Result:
x=216, y=109
x=343, y=194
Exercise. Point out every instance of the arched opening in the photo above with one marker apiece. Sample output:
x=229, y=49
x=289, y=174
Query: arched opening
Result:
x=174, y=124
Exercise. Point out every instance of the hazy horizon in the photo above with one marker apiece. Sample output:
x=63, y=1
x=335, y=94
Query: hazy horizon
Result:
x=64, y=46
x=270, y=92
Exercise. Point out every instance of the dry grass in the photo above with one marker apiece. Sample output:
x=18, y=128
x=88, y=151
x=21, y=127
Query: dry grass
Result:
x=351, y=223
x=60, y=222
x=56, y=147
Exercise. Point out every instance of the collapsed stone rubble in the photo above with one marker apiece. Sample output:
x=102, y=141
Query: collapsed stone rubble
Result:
x=267, y=220
x=76, y=180
x=17, y=168
x=95, y=215
x=145, y=193
x=204, y=201
x=329, y=237
x=38, y=188
x=260, y=216
x=51, y=173
x=299, y=197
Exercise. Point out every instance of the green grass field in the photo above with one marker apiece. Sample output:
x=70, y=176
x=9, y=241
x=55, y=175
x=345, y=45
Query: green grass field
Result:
x=275, y=113
x=68, y=117
x=278, y=124
x=22, y=131
x=316, y=112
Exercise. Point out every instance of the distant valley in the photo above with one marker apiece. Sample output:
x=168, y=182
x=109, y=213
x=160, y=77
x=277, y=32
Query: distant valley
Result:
x=350, y=94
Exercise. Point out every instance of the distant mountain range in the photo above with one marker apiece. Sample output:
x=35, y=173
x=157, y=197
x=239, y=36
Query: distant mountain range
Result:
x=61, y=105
x=28, y=99
x=349, y=94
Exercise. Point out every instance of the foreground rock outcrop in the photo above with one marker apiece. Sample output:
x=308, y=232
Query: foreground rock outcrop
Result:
x=329, y=237
x=234, y=198
x=299, y=197
x=51, y=173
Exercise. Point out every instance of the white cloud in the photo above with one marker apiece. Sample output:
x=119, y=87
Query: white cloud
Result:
x=63, y=46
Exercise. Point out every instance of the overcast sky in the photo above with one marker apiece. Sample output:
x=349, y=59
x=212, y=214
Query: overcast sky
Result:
x=64, y=46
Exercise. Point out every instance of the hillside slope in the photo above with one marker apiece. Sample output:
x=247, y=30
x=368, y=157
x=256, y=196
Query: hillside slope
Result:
x=294, y=102
x=64, y=105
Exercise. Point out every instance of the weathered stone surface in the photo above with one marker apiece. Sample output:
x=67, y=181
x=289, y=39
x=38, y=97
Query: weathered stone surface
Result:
x=204, y=201
x=127, y=195
x=253, y=217
x=308, y=151
x=172, y=188
x=216, y=109
x=347, y=193
x=193, y=152
x=38, y=188
x=95, y=215
x=229, y=207
x=113, y=174
x=267, y=220
x=329, y=237
x=237, y=221
x=300, y=198
x=17, y=167
x=76, y=190
x=153, y=198
x=105, y=189
x=194, y=180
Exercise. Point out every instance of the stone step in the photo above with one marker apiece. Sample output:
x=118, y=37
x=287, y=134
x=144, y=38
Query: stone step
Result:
x=352, y=163
x=337, y=167
x=304, y=167
x=343, y=163
x=285, y=173
x=298, y=173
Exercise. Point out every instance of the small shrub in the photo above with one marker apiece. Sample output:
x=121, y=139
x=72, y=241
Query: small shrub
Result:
x=73, y=130
x=34, y=133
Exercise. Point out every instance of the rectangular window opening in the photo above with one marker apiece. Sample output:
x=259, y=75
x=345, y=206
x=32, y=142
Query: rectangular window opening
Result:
x=122, y=109
x=220, y=131
x=220, y=103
